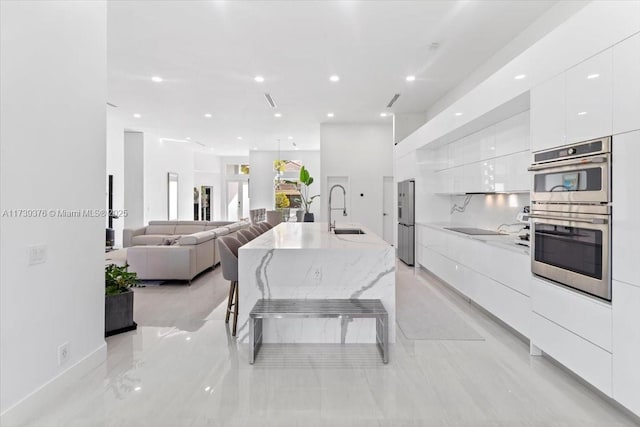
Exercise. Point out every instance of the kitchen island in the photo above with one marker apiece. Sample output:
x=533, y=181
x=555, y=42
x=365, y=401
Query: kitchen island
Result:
x=305, y=261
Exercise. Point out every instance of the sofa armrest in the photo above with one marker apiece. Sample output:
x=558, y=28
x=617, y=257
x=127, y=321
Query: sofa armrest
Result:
x=128, y=233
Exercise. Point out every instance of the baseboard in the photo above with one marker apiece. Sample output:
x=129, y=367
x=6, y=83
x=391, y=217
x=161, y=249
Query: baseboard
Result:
x=19, y=413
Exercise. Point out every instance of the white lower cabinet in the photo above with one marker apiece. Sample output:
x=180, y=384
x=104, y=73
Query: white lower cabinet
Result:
x=468, y=266
x=580, y=314
x=589, y=361
x=626, y=345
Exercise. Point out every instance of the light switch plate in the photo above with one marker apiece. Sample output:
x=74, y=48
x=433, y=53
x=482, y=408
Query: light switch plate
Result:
x=37, y=254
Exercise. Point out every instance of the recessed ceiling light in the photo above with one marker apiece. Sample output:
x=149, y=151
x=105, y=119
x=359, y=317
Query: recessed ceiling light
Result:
x=593, y=76
x=208, y=115
x=278, y=115
x=520, y=76
x=156, y=79
x=289, y=137
x=258, y=79
x=383, y=114
x=410, y=78
x=329, y=115
x=136, y=115
x=582, y=113
x=137, y=388
x=296, y=148
x=334, y=78
x=457, y=114
x=239, y=138
x=255, y=148
x=188, y=138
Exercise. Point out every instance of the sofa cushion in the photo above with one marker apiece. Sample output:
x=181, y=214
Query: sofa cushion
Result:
x=212, y=225
x=146, y=239
x=165, y=230
x=196, y=238
x=233, y=227
x=221, y=231
x=188, y=229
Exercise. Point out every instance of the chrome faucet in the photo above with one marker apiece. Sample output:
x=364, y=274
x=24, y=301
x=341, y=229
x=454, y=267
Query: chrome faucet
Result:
x=344, y=204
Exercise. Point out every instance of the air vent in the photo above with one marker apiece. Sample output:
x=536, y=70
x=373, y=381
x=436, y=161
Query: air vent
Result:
x=393, y=100
x=112, y=105
x=270, y=100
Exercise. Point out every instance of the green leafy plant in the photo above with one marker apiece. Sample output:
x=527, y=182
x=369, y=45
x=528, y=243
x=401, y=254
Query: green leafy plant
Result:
x=118, y=279
x=282, y=201
x=306, y=179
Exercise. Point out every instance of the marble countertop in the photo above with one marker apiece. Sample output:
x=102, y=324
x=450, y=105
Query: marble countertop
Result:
x=506, y=241
x=314, y=235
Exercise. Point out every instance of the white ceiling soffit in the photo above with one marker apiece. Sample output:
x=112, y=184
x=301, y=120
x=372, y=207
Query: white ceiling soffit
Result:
x=208, y=54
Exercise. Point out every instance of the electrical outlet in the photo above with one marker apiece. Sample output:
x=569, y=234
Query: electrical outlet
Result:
x=63, y=353
x=317, y=274
x=37, y=254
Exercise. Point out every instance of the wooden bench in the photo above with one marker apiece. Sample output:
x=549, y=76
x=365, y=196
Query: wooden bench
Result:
x=319, y=308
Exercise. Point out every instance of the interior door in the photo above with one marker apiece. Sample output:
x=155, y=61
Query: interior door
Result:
x=387, y=209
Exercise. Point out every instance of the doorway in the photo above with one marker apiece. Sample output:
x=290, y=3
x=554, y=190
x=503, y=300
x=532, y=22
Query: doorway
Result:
x=237, y=200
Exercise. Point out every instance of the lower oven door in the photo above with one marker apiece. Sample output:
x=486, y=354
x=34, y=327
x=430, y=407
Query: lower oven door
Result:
x=573, y=250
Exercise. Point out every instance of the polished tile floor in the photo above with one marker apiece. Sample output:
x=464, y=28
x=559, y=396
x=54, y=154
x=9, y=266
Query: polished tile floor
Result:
x=182, y=368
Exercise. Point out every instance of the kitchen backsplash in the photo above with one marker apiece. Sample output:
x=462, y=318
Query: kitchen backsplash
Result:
x=488, y=211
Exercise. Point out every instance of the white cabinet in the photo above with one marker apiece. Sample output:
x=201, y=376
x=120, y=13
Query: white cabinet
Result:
x=626, y=345
x=626, y=85
x=626, y=207
x=585, y=359
x=512, y=135
x=589, y=98
x=548, y=114
x=510, y=172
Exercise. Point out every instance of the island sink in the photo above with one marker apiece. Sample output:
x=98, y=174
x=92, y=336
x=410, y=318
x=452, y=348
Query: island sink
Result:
x=348, y=231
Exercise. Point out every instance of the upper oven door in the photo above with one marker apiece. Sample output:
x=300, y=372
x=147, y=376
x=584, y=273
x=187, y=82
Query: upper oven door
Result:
x=581, y=180
x=573, y=250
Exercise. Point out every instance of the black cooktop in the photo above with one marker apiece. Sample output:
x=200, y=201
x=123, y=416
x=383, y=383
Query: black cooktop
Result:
x=474, y=231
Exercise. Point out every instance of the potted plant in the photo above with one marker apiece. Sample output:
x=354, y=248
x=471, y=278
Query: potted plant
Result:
x=306, y=180
x=118, y=303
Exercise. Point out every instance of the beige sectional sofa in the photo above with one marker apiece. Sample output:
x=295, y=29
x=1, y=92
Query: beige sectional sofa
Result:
x=176, y=250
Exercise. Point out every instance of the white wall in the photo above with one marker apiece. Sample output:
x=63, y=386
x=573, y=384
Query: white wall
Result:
x=133, y=179
x=53, y=96
x=115, y=167
x=262, y=174
x=160, y=158
x=364, y=153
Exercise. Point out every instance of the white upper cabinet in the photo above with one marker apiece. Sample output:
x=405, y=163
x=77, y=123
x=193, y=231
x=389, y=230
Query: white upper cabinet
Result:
x=626, y=85
x=548, y=114
x=589, y=98
x=511, y=135
x=626, y=206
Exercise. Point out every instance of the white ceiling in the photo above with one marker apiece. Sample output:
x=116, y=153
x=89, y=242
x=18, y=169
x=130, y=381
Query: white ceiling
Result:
x=209, y=52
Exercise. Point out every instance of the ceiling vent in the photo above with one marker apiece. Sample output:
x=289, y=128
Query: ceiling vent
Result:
x=393, y=100
x=270, y=100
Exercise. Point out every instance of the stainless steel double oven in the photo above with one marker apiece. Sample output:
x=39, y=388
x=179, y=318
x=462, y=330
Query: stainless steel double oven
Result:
x=571, y=216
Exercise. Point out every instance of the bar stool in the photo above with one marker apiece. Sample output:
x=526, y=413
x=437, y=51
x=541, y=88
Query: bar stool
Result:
x=242, y=238
x=246, y=235
x=263, y=226
x=229, y=260
x=255, y=230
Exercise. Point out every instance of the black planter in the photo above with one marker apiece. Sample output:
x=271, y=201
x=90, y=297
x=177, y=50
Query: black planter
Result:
x=308, y=217
x=118, y=313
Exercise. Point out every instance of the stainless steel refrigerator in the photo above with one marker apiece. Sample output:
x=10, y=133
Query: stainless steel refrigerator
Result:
x=406, y=214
